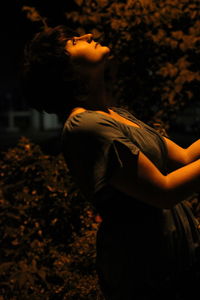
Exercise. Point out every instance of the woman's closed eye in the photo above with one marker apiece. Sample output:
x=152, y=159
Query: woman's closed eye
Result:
x=90, y=39
x=75, y=40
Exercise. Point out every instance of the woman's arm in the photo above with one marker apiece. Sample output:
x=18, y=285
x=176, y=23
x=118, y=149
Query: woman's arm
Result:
x=140, y=179
x=193, y=151
x=178, y=156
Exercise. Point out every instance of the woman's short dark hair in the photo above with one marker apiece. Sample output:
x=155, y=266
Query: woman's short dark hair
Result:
x=49, y=81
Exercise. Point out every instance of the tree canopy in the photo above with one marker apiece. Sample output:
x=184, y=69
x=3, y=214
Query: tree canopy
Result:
x=156, y=46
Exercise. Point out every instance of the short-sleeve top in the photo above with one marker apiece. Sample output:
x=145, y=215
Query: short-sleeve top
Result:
x=161, y=239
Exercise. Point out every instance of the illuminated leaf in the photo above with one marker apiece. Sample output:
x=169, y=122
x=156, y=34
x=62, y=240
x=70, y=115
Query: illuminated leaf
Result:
x=32, y=13
x=42, y=274
x=4, y=267
x=190, y=94
x=178, y=34
x=79, y=2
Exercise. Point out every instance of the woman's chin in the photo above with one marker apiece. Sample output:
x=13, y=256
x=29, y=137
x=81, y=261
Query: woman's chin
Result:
x=106, y=51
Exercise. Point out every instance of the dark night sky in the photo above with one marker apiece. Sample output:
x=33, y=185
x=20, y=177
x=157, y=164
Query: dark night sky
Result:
x=9, y=45
x=16, y=29
x=14, y=32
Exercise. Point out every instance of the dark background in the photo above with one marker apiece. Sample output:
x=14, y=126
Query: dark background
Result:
x=16, y=30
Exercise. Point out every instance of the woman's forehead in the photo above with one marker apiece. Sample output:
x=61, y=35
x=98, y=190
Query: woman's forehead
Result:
x=79, y=35
x=76, y=35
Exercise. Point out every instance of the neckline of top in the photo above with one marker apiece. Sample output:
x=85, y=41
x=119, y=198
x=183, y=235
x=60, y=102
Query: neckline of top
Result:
x=136, y=122
x=132, y=119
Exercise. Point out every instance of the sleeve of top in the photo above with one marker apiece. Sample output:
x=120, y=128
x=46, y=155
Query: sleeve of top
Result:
x=90, y=146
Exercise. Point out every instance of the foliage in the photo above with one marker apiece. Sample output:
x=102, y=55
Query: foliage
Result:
x=33, y=15
x=158, y=46
x=47, y=229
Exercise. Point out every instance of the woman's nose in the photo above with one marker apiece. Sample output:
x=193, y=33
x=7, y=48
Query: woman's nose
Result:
x=87, y=37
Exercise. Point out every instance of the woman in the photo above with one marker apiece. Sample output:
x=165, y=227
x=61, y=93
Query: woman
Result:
x=148, y=244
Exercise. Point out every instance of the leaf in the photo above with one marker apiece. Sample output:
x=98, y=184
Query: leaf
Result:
x=32, y=13
x=79, y=2
x=178, y=34
x=42, y=274
x=189, y=94
x=21, y=279
x=4, y=267
x=34, y=16
x=146, y=2
x=102, y=3
x=50, y=188
x=23, y=265
x=172, y=97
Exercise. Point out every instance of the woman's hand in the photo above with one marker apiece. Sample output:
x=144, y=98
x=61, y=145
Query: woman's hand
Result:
x=178, y=156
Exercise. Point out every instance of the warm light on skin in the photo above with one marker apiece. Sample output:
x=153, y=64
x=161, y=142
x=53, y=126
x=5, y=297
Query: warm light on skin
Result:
x=85, y=49
x=89, y=59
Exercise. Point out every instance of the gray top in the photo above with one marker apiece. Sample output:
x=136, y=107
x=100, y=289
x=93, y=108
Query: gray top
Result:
x=134, y=237
x=91, y=139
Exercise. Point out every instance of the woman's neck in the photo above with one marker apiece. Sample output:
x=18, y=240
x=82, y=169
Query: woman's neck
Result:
x=98, y=98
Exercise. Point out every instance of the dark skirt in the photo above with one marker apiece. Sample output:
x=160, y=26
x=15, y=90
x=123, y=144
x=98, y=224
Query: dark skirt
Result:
x=154, y=254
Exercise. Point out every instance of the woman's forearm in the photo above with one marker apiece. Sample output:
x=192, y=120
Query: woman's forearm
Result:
x=193, y=151
x=142, y=180
x=182, y=182
x=165, y=191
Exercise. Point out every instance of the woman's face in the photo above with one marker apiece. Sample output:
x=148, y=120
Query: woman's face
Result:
x=84, y=49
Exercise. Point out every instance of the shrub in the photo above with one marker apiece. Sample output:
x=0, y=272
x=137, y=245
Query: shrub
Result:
x=45, y=227
x=156, y=44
